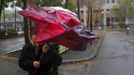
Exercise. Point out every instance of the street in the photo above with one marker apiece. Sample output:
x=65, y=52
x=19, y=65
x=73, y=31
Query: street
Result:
x=12, y=44
x=116, y=56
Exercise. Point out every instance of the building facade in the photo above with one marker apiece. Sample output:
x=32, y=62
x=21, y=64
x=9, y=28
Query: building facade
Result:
x=85, y=11
x=83, y=14
x=108, y=18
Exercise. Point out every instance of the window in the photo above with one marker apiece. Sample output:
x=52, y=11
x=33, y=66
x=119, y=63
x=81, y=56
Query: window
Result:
x=108, y=1
x=113, y=1
x=108, y=9
x=82, y=20
x=82, y=11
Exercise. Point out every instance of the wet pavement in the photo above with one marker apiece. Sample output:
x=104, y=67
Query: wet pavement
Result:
x=116, y=55
x=79, y=68
x=7, y=68
x=9, y=45
x=76, y=55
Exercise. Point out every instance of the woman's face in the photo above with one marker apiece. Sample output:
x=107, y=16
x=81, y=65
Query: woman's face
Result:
x=46, y=46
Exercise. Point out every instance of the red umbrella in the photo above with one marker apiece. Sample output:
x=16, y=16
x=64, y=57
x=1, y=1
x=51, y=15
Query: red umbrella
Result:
x=57, y=26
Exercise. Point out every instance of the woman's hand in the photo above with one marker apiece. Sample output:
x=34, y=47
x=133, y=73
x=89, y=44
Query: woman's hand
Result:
x=36, y=64
x=45, y=48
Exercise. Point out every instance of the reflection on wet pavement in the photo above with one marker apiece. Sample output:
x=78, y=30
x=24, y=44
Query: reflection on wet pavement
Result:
x=9, y=45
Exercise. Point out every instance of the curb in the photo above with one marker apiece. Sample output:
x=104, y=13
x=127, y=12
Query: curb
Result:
x=95, y=51
x=94, y=55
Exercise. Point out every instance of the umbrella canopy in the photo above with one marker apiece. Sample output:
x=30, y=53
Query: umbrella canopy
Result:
x=57, y=26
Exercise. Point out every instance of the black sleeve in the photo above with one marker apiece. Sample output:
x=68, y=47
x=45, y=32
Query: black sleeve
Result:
x=24, y=60
x=56, y=58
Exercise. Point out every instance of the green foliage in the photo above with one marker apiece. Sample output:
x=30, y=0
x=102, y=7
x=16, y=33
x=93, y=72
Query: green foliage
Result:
x=72, y=5
x=47, y=2
x=62, y=49
x=1, y=7
x=6, y=15
x=19, y=3
x=7, y=34
x=124, y=8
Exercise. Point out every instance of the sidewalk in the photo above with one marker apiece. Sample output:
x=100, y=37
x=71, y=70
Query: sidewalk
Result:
x=74, y=62
x=79, y=63
x=89, y=53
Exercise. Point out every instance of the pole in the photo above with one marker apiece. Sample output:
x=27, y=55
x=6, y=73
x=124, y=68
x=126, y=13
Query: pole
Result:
x=102, y=24
x=66, y=4
x=78, y=8
x=88, y=17
x=26, y=30
x=4, y=20
x=1, y=6
x=15, y=17
x=30, y=28
x=91, y=24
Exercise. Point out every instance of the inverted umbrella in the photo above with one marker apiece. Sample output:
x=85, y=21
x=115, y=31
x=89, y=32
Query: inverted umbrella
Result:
x=57, y=26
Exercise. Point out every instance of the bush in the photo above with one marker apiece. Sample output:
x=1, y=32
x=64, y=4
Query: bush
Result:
x=7, y=34
x=2, y=34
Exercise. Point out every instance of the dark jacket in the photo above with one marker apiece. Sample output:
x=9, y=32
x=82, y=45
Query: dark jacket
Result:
x=50, y=59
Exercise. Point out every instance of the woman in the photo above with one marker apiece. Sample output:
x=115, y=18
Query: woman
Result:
x=39, y=59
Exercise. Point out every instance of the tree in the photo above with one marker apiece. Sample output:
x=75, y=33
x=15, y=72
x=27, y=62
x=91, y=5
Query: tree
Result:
x=124, y=9
x=1, y=7
x=94, y=12
x=3, y=3
x=78, y=8
x=47, y=2
x=72, y=5
x=66, y=3
x=26, y=30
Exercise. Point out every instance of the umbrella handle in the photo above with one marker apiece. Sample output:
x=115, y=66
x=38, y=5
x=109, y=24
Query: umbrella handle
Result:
x=41, y=58
x=41, y=62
